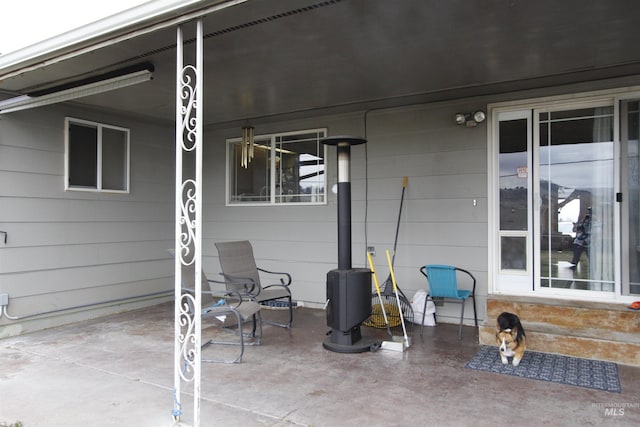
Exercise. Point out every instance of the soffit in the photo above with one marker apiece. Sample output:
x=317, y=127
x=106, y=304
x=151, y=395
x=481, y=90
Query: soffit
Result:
x=271, y=58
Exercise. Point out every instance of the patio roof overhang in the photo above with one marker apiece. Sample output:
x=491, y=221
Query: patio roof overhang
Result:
x=276, y=58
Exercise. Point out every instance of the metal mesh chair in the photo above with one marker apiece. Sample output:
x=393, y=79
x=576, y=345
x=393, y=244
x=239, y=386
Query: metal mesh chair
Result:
x=225, y=309
x=443, y=283
x=242, y=275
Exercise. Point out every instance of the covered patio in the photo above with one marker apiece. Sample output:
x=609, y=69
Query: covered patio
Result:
x=118, y=371
x=397, y=76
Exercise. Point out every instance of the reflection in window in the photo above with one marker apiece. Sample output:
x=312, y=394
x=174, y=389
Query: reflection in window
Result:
x=286, y=168
x=576, y=183
x=513, y=175
x=251, y=184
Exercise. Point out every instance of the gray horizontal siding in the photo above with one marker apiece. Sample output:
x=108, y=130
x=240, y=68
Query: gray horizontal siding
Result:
x=48, y=258
x=68, y=279
x=72, y=248
x=33, y=234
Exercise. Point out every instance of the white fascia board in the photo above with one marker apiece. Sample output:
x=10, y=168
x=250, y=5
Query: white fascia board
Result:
x=141, y=19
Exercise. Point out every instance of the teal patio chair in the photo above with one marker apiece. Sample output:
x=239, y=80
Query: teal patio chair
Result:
x=443, y=283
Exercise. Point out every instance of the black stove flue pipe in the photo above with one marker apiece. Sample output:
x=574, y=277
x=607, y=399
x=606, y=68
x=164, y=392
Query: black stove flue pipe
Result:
x=344, y=203
x=348, y=289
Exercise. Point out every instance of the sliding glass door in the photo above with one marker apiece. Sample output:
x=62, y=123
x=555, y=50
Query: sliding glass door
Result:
x=556, y=200
x=630, y=195
x=575, y=221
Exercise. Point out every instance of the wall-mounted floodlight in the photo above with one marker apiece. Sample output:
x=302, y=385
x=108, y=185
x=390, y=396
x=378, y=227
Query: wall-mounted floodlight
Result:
x=470, y=119
x=85, y=87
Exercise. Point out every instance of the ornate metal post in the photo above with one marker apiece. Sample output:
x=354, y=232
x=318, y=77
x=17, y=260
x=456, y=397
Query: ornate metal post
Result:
x=188, y=224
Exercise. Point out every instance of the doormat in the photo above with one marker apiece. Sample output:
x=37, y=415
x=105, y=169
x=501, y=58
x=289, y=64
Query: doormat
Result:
x=555, y=368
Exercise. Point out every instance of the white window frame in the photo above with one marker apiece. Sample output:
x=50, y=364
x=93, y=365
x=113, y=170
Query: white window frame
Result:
x=559, y=102
x=272, y=138
x=99, y=167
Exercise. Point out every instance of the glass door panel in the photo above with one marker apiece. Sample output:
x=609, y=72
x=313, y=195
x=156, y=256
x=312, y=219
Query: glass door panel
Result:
x=576, y=186
x=514, y=217
x=630, y=171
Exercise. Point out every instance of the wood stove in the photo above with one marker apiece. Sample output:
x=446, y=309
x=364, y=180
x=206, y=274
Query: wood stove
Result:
x=348, y=289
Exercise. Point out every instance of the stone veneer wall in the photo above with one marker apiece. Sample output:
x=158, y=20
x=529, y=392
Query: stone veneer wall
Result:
x=574, y=328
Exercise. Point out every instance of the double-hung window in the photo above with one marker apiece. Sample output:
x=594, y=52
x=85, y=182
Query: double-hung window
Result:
x=96, y=156
x=286, y=168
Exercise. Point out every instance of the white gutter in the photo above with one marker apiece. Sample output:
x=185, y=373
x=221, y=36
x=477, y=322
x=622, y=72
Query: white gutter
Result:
x=142, y=19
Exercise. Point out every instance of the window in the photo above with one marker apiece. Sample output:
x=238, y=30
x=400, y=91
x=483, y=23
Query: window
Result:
x=96, y=156
x=287, y=168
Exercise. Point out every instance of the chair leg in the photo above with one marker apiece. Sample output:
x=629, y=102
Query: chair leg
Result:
x=461, y=319
x=254, y=325
x=289, y=323
x=238, y=358
x=475, y=316
x=258, y=339
x=290, y=313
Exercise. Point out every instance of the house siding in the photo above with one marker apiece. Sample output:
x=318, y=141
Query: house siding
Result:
x=74, y=248
x=446, y=169
x=71, y=248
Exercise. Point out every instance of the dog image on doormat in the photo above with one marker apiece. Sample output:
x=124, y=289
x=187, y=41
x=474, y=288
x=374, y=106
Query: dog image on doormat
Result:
x=511, y=338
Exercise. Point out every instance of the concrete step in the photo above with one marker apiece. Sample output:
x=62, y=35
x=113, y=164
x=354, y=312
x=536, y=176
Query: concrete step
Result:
x=573, y=328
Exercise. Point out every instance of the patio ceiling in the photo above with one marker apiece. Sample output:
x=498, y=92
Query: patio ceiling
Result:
x=273, y=58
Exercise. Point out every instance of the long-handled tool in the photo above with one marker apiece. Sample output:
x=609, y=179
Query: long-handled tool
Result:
x=387, y=294
x=396, y=343
x=395, y=240
x=375, y=281
x=406, y=343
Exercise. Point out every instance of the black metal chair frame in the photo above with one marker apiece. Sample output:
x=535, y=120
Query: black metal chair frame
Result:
x=241, y=309
x=451, y=299
x=248, y=284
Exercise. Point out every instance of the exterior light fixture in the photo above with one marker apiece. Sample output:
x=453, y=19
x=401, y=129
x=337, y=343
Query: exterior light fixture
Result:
x=78, y=89
x=247, y=145
x=479, y=116
x=470, y=119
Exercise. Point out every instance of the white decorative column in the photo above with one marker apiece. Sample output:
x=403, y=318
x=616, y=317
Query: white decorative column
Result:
x=188, y=224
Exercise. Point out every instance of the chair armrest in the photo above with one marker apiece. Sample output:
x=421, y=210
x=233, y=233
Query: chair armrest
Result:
x=247, y=283
x=232, y=298
x=473, y=292
x=282, y=282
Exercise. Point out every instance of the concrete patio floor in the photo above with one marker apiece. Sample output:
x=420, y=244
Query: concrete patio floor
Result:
x=117, y=371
